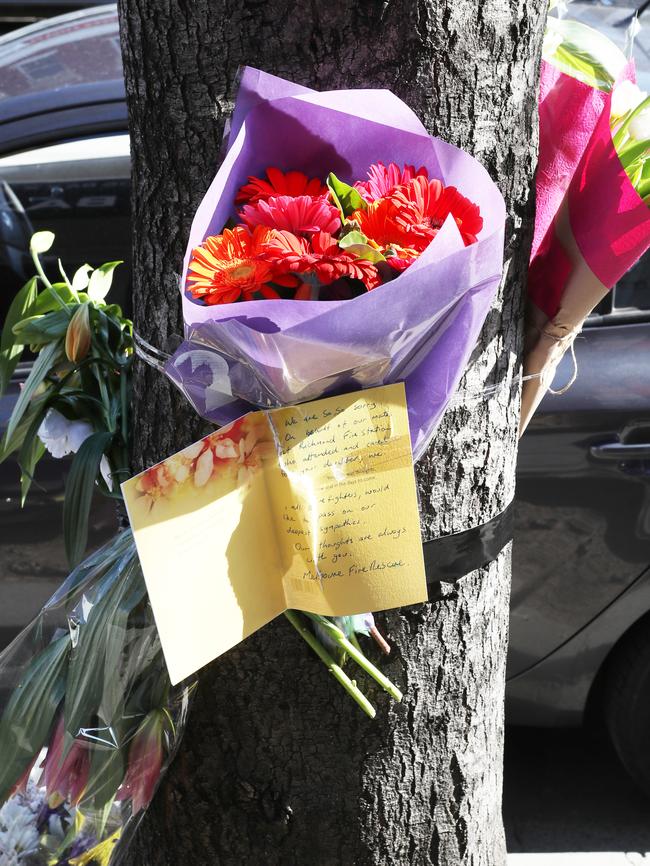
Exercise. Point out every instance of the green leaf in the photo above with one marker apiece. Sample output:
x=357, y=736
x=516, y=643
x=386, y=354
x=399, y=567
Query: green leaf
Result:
x=357, y=244
x=106, y=774
x=28, y=717
x=36, y=411
x=36, y=330
x=345, y=197
x=45, y=302
x=31, y=452
x=42, y=366
x=365, y=251
x=10, y=350
x=101, y=280
x=644, y=188
x=79, y=493
x=108, y=654
x=633, y=151
x=41, y=242
x=352, y=238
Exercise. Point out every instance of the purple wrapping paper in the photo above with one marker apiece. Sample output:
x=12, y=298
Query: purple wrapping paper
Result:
x=420, y=328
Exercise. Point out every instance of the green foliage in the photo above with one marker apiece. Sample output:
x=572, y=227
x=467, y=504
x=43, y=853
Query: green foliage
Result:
x=98, y=692
x=345, y=197
x=10, y=350
x=81, y=371
x=28, y=717
x=357, y=244
x=79, y=493
x=36, y=409
x=39, y=330
x=42, y=368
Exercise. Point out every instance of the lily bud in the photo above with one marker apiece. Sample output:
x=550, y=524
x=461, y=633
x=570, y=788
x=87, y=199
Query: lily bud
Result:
x=77, y=338
x=65, y=774
x=146, y=757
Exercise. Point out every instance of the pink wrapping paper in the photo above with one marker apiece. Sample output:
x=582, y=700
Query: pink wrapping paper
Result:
x=607, y=219
x=568, y=113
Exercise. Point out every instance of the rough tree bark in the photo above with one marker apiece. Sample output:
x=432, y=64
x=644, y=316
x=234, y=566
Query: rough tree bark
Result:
x=278, y=765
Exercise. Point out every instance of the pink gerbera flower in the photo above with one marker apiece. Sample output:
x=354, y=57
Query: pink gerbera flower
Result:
x=382, y=180
x=301, y=215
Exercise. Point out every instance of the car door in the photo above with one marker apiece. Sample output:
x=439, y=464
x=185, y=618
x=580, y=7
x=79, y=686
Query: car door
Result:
x=583, y=481
x=80, y=190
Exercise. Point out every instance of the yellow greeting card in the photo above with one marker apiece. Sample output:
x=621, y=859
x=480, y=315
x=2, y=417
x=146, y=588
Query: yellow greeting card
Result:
x=311, y=507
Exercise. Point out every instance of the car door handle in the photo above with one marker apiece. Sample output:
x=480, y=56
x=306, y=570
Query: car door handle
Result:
x=620, y=451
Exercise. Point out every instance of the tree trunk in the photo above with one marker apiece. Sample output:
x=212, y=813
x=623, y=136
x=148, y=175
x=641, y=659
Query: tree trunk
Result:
x=278, y=765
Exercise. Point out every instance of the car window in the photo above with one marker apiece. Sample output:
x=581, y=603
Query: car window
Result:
x=60, y=54
x=78, y=189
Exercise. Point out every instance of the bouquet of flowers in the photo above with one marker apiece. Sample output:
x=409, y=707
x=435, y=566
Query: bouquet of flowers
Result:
x=338, y=248
x=89, y=720
x=592, y=221
x=75, y=399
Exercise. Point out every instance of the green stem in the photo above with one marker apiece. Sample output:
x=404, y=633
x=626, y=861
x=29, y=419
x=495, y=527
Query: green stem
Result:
x=125, y=405
x=337, y=635
x=48, y=285
x=644, y=189
x=337, y=672
x=105, y=401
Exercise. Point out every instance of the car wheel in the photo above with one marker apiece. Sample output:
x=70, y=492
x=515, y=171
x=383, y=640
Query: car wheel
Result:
x=626, y=702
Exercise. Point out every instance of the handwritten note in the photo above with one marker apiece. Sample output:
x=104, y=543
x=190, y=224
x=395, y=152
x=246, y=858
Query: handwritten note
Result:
x=311, y=507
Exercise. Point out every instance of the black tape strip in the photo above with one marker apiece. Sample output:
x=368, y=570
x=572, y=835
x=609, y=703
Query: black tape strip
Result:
x=452, y=556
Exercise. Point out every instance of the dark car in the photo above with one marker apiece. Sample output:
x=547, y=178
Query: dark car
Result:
x=580, y=632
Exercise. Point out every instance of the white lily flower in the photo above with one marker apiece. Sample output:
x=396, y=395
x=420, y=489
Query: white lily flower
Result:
x=62, y=437
x=626, y=97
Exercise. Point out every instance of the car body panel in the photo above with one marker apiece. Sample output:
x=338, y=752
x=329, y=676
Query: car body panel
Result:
x=555, y=691
x=582, y=524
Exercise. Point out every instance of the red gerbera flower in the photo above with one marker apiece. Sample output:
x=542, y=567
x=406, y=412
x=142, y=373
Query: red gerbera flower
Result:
x=423, y=205
x=321, y=256
x=299, y=215
x=231, y=266
x=382, y=180
x=293, y=183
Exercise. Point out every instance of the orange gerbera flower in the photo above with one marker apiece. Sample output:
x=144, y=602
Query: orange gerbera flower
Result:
x=232, y=265
x=293, y=183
